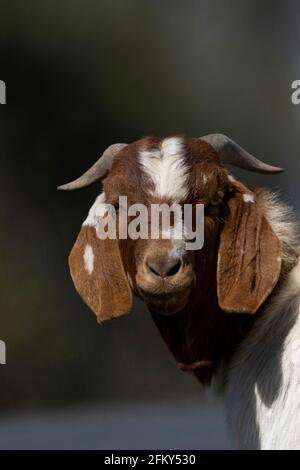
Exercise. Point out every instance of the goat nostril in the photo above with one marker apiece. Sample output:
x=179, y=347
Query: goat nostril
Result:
x=153, y=270
x=175, y=269
x=164, y=267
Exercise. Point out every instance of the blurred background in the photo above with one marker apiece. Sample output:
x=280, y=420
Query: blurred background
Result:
x=80, y=76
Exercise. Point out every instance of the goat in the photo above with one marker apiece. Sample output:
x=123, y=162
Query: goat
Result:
x=228, y=312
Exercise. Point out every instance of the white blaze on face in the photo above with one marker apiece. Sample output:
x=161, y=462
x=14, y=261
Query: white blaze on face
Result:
x=166, y=168
x=168, y=171
x=88, y=258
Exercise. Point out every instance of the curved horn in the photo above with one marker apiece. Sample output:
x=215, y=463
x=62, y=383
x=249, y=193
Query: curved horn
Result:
x=97, y=171
x=230, y=152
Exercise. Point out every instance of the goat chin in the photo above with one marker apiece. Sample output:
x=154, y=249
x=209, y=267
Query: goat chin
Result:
x=168, y=304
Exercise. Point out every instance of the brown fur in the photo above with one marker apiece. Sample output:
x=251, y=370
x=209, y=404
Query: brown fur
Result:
x=249, y=258
x=108, y=276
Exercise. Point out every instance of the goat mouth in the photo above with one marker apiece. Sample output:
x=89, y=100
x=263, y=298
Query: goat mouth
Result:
x=166, y=303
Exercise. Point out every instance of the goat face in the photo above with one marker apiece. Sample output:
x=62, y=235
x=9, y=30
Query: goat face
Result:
x=174, y=170
x=237, y=267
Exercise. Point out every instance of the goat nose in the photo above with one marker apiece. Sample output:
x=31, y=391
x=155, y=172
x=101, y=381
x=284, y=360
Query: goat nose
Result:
x=163, y=266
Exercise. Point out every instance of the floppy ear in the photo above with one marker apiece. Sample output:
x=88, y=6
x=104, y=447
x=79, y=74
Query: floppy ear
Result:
x=97, y=269
x=249, y=258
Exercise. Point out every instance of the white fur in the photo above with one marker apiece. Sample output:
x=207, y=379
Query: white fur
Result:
x=97, y=210
x=248, y=198
x=88, y=258
x=281, y=218
x=263, y=384
x=263, y=392
x=166, y=168
x=177, y=240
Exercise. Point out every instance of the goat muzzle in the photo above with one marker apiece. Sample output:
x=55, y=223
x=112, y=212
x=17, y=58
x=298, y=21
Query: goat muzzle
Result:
x=164, y=281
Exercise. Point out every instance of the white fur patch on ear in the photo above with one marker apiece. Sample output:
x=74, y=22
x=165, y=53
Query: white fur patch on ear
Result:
x=166, y=168
x=88, y=258
x=248, y=198
x=97, y=210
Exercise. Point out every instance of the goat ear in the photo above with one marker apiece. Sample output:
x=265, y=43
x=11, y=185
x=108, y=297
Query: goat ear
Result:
x=249, y=258
x=97, y=271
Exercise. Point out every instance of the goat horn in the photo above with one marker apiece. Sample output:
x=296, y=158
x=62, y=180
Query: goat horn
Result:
x=97, y=171
x=230, y=152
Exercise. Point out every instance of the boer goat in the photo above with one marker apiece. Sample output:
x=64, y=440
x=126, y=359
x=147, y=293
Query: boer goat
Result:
x=228, y=312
